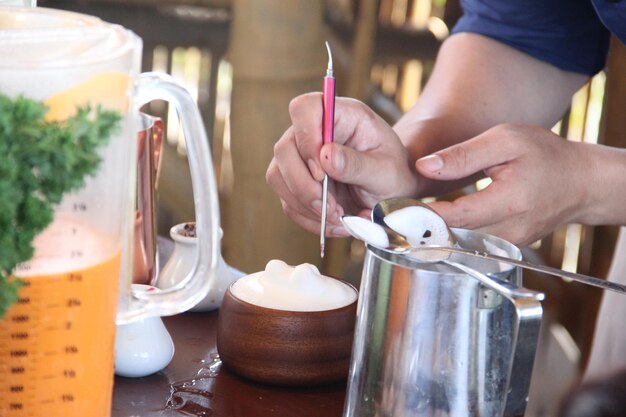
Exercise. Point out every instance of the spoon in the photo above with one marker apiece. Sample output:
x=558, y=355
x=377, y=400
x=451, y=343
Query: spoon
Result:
x=399, y=243
x=388, y=240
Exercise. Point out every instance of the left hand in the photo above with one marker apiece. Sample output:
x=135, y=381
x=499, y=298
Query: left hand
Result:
x=539, y=182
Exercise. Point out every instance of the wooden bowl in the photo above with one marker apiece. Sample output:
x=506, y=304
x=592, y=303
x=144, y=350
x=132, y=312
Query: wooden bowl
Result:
x=297, y=348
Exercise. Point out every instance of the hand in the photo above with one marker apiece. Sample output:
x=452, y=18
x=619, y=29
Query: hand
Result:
x=367, y=162
x=538, y=182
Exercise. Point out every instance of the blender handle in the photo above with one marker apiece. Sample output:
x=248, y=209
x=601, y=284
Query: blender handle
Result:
x=193, y=288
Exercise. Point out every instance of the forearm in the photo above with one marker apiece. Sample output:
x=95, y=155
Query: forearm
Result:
x=478, y=83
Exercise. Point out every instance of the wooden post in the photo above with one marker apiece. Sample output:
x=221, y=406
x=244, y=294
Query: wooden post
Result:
x=363, y=49
x=277, y=52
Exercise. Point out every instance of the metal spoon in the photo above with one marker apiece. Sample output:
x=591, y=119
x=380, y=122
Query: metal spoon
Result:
x=400, y=244
x=384, y=238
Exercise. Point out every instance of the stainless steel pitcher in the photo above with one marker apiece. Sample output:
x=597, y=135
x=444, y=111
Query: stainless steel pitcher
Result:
x=431, y=341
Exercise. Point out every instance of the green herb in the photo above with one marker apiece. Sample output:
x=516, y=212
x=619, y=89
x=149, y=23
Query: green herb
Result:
x=40, y=160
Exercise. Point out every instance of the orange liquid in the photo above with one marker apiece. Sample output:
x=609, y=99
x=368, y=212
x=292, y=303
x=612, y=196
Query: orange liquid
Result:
x=56, y=344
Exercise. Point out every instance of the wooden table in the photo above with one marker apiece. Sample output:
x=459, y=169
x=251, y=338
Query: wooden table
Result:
x=173, y=392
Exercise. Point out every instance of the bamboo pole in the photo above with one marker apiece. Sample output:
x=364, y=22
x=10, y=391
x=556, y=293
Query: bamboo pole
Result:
x=363, y=49
x=277, y=52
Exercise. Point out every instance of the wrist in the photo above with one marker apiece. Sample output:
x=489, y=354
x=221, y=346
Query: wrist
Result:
x=604, y=199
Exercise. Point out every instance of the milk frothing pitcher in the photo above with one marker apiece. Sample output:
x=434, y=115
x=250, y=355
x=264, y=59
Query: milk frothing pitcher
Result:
x=432, y=341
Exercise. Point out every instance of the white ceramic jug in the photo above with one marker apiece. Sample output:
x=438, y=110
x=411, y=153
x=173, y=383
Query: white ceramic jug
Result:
x=183, y=259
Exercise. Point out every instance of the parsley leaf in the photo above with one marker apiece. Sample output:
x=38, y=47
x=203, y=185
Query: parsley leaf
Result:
x=40, y=160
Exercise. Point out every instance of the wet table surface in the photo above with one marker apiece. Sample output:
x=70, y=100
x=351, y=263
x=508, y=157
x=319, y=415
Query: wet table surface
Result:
x=195, y=385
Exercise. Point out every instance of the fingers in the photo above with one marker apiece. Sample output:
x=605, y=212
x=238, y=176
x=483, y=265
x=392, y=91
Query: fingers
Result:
x=354, y=122
x=366, y=161
x=276, y=181
x=306, y=113
x=526, y=199
x=305, y=201
x=498, y=210
x=474, y=210
x=333, y=228
x=292, y=179
x=485, y=151
x=299, y=192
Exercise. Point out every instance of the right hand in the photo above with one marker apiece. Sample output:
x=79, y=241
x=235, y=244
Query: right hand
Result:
x=367, y=162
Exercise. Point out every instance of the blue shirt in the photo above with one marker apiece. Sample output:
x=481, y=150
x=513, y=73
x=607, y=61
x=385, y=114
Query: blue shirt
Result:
x=571, y=34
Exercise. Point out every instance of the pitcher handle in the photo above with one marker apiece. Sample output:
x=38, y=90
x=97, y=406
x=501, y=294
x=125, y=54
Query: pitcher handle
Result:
x=194, y=287
x=528, y=312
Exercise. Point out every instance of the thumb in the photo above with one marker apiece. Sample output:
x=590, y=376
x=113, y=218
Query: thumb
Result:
x=346, y=165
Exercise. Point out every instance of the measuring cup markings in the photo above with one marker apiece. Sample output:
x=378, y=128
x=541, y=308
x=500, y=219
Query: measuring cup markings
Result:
x=44, y=349
x=47, y=330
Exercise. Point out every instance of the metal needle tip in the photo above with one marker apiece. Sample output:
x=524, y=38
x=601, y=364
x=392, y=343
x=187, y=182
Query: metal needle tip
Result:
x=324, y=213
x=330, y=56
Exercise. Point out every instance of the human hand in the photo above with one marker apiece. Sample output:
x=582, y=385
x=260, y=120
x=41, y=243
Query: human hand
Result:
x=539, y=181
x=367, y=162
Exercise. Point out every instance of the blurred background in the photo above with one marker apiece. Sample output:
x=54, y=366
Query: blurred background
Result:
x=244, y=60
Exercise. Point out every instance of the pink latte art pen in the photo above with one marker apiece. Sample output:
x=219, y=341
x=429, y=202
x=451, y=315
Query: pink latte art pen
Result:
x=328, y=124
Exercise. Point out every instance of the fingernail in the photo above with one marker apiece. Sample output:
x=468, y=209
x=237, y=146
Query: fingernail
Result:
x=339, y=160
x=431, y=163
x=317, y=206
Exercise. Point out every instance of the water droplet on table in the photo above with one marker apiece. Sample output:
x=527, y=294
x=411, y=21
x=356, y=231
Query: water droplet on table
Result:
x=189, y=397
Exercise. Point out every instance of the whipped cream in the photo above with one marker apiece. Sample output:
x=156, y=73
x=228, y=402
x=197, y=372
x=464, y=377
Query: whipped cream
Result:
x=421, y=226
x=367, y=231
x=299, y=288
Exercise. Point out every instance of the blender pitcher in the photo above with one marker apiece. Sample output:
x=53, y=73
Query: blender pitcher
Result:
x=56, y=343
x=431, y=341
x=25, y=3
